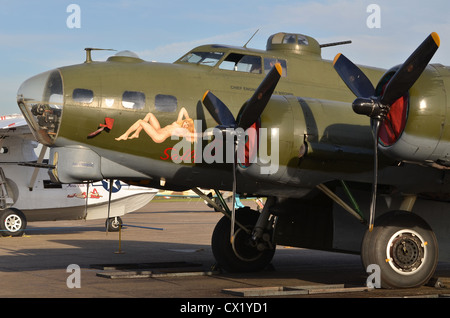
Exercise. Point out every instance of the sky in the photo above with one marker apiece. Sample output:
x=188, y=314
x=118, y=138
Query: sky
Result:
x=36, y=36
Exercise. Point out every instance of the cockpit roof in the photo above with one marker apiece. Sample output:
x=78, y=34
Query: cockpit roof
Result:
x=280, y=42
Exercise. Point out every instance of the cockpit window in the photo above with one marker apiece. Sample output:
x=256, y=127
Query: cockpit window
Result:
x=269, y=63
x=133, y=100
x=203, y=58
x=242, y=63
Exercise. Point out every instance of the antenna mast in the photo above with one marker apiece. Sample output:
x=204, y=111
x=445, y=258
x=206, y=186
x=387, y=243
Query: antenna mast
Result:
x=88, y=53
x=245, y=45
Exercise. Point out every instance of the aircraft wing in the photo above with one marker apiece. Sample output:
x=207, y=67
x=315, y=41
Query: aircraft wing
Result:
x=13, y=125
x=17, y=143
x=12, y=121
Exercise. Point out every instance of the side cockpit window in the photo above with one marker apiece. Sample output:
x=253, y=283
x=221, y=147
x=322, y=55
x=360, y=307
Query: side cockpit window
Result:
x=242, y=63
x=133, y=100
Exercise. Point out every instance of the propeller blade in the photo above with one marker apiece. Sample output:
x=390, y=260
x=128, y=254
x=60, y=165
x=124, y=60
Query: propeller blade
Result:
x=353, y=77
x=410, y=71
x=218, y=110
x=254, y=107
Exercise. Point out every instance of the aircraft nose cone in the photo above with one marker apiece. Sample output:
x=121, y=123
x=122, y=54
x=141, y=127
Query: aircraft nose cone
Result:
x=41, y=100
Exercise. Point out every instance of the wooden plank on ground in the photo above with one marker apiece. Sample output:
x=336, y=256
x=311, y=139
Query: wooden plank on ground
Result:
x=292, y=290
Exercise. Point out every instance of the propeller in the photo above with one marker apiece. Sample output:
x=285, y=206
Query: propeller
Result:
x=249, y=114
x=378, y=107
x=251, y=110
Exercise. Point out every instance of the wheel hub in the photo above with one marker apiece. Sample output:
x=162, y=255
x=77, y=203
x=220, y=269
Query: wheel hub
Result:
x=406, y=251
x=244, y=248
x=13, y=223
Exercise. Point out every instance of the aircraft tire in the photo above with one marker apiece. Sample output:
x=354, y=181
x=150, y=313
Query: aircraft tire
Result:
x=12, y=222
x=112, y=225
x=405, y=248
x=239, y=256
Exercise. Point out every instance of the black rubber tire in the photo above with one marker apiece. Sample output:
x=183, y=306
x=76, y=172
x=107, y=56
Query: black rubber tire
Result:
x=12, y=222
x=239, y=256
x=412, y=256
x=113, y=226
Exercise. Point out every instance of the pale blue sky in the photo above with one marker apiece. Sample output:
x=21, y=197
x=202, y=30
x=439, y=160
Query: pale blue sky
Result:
x=34, y=36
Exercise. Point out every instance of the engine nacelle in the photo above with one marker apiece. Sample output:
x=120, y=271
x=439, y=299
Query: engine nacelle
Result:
x=417, y=129
x=76, y=164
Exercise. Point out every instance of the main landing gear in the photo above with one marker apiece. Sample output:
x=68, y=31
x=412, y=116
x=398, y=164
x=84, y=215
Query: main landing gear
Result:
x=401, y=243
x=243, y=253
x=12, y=222
x=251, y=248
x=405, y=248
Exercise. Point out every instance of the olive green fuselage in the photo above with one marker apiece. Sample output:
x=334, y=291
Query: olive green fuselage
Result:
x=319, y=136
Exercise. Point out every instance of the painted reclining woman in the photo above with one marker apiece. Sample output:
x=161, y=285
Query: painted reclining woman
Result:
x=182, y=127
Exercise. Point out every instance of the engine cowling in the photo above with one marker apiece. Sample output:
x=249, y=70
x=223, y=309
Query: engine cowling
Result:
x=417, y=128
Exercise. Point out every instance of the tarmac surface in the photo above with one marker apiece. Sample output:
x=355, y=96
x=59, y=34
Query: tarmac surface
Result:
x=163, y=252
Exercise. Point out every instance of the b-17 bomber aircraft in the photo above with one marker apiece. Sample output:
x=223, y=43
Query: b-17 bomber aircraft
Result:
x=352, y=159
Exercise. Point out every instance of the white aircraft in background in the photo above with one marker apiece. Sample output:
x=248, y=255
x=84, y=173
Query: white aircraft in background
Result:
x=27, y=194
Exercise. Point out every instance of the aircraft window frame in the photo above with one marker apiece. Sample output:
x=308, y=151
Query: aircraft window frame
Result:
x=133, y=100
x=203, y=58
x=166, y=103
x=295, y=39
x=54, y=90
x=290, y=39
x=245, y=63
x=83, y=95
x=269, y=63
x=302, y=40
